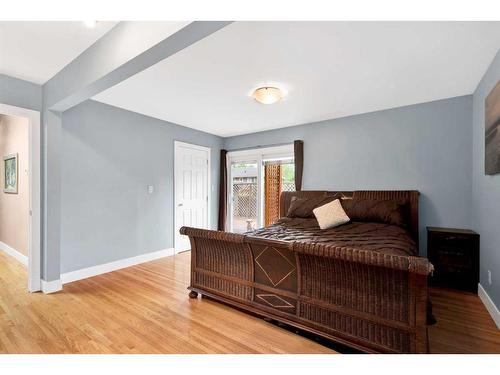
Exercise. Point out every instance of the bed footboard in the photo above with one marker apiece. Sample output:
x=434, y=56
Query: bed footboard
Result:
x=370, y=301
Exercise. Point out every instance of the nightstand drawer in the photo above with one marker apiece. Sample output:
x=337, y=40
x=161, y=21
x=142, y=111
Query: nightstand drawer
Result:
x=459, y=243
x=452, y=258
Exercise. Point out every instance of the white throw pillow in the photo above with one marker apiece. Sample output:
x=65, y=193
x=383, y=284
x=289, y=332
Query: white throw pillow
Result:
x=331, y=215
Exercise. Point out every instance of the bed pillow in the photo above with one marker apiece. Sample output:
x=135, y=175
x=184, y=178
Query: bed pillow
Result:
x=303, y=207
x=377, y=211
x=331, y=215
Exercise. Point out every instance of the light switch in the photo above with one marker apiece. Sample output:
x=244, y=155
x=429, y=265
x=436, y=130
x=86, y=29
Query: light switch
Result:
x=151, y=189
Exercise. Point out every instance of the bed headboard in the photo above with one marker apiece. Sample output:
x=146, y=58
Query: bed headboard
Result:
x=408, y=197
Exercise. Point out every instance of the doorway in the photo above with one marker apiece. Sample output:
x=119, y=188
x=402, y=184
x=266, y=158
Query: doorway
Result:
x=256, y=179
x=21, y=179
x=192, y=190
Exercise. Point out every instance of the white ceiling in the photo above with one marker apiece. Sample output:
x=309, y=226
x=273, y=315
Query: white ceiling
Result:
x=36, y=51
x=330, y=70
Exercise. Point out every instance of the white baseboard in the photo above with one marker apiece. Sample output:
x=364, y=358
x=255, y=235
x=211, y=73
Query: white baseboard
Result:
x=14, y=253
x=490, y=306
x=85, y=273
x=51, y=286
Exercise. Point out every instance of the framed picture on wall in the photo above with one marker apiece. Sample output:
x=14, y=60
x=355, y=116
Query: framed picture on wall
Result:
x=492, y=127
x=10, y=173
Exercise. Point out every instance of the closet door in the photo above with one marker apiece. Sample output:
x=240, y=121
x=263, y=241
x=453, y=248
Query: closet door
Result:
x=191, y=190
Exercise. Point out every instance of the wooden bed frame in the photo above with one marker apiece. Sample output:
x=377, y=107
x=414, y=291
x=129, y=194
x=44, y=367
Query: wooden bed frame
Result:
x=370, y=301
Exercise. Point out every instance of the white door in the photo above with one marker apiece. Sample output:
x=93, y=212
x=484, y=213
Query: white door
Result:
x=191, y=190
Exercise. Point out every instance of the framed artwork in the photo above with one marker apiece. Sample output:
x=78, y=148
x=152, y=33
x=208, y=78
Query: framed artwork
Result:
x=492, y=131
x=10, y=174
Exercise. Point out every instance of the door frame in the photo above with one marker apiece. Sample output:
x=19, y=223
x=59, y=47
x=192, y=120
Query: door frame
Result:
x=177, y=146
x=259, y=154
x=243, y=157
x=34, y=215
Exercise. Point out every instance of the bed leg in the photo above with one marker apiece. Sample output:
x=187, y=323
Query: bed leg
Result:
x=193, y=294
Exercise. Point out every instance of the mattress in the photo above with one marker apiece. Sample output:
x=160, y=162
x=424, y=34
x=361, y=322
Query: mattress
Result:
x=378, y=237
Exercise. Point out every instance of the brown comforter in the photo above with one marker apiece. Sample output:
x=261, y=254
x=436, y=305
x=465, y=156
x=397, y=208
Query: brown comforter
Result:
x=383, y=238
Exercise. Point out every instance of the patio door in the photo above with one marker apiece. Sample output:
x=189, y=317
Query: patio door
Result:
x=255, y=180
x=245, y=195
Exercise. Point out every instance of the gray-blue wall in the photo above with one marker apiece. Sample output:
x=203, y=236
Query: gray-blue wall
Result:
x=109, y=156
x=432, y=147
x=427, y=147
x=20, y=93
x=486, y=190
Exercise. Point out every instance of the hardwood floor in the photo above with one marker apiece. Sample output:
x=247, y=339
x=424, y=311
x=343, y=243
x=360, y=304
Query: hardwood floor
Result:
x=145, y=309
x=463, y=324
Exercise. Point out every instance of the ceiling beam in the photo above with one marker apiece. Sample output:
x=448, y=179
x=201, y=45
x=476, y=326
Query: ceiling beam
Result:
x=114, y=58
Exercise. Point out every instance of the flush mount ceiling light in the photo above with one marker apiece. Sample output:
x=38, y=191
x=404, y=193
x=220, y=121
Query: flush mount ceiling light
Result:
x=267, y=95
x=90, y=24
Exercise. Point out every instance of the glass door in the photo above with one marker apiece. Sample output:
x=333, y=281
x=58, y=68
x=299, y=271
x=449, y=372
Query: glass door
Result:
x=256, y=178
x=245, y=191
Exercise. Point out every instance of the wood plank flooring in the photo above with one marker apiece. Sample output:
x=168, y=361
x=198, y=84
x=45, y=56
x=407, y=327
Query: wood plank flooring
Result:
x=145, y=309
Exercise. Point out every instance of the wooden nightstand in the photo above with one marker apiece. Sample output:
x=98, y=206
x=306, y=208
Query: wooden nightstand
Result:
x=455, y=256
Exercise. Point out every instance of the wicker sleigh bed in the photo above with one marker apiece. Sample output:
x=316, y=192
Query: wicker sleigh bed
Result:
x=368, y=299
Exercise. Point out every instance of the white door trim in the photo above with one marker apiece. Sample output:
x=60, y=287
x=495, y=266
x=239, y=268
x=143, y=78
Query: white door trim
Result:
x=34, y=251
x=177, y=145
